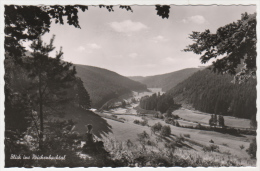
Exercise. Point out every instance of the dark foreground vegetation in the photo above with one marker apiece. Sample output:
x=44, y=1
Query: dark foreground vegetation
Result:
x=38, y=88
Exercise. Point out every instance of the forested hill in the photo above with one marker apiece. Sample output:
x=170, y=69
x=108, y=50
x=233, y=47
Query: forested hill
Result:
x=103, y=85
x=166, y=81
x=212, y=93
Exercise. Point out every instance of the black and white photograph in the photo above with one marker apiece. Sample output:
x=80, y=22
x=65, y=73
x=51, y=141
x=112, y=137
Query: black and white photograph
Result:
x=101, y=85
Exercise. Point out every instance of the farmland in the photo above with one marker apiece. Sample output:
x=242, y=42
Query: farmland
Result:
x=203, y=118
x=118, y=125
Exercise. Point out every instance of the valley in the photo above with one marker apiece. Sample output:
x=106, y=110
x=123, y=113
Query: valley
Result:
x=129, y=86
x=122, y=129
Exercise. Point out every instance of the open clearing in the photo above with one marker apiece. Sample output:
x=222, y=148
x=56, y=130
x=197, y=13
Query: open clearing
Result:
x=203, y=118
x=227, y=143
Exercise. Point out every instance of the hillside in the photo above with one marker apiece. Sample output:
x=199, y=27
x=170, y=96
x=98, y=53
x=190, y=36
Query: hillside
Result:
x=166, y=81
x=103, y=85
x=213, y=93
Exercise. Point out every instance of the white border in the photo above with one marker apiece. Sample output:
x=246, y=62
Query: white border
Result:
x=118, y=2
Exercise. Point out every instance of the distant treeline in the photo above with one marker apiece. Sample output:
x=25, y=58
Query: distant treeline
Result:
x=214, y=93
x=104, y=85
x=158, y=102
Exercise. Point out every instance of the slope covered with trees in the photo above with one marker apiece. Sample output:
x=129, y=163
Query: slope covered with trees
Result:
x=166, y=81
x=37, y=91
x=215, y=93
x=104, y=85
x=233, y=44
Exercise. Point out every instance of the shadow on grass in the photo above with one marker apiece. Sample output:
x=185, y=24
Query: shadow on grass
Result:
x=179, y=144
x=83, y=118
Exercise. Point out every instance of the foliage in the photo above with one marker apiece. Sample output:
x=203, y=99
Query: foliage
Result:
x=165, y=131
x=123, y=104
x=143, y=139
x=253, y=122
x=168, y=113
x=242, y=147
x=82, y=98
x=37, y=74
x=177, y=124
x=209, y=92
x=50, y=80
x=143, y=123
x=221, y=121
x=156, y=127
x=170, y=146
x=134, y=156
x=252, y=148
x=213, y=121
x=211, y=148
x=30, y=22
x=235, y=41
x=160, y=103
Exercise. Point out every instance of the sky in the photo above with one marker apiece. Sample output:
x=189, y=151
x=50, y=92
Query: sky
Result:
x=140, y=43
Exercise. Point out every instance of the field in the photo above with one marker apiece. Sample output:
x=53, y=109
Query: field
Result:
x=203, y=118
x=105, y=126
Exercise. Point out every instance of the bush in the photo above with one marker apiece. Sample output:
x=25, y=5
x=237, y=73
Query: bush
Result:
x=252, y=148
x=114, y=116
x=211, y=148
x=136, y=121
x=166, y=131
x=179, y=140
x=156, y=127
x=169, y=121
x=186, y=135
x=177, y=124
x=142, y=137
x=170, y=146
x=242, y=147
x=143, y=123
x=175, y=116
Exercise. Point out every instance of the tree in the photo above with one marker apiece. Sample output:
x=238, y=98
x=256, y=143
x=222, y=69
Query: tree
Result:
x=156, y=127
x=82, y=97
x=142, y=138
x=29, y=22
x=168, y=113
x=213, y=120
x=235, y=41
x=221, y=121
x=253, y=122
x=123, y=104
x=252, y=148
x=51, y=79
x=166, y=131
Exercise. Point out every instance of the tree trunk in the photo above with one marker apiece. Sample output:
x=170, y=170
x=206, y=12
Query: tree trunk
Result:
x=41, y=115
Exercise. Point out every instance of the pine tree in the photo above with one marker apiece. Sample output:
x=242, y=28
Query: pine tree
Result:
x=51, y=80
x=221, y=121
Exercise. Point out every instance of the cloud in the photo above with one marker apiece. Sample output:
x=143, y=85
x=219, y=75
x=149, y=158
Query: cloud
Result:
x=197, y=19
x=81, y=48
x=127, y=26
x=159, y=39
x=94, y=46
x=88, y=48
x=133, y=55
